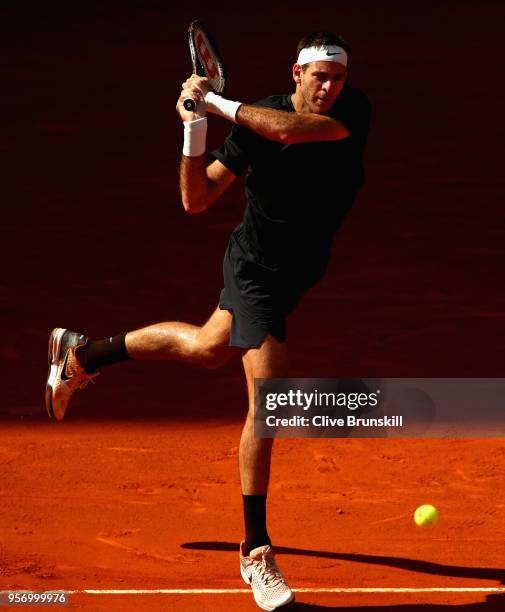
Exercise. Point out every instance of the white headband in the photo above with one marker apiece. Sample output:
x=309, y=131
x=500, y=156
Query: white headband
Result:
x=328, y=53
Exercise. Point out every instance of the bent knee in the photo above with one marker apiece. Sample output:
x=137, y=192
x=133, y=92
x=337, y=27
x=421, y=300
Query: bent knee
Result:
x=211, y=350
x=213, y=358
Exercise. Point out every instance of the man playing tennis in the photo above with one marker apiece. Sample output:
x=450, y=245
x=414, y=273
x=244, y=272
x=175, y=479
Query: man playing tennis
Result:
x=302, y=154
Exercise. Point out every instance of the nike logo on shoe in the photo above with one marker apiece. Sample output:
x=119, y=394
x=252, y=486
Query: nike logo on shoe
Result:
x=63, y=375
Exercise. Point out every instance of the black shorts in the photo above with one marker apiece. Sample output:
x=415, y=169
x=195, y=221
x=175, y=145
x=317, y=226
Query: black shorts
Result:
x=259, y=294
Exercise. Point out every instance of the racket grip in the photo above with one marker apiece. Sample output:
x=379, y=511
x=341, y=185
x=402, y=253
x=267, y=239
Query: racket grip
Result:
x=189, y=104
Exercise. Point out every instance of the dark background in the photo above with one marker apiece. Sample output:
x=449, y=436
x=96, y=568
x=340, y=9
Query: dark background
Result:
x=94, y=237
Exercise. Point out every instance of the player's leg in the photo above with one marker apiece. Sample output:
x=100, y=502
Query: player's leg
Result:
x=257, y=560
x=206, y=345
x=270, y=360
x=74, y=359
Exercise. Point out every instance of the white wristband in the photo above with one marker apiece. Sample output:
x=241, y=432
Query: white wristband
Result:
x=195, y=137
x=221, y=106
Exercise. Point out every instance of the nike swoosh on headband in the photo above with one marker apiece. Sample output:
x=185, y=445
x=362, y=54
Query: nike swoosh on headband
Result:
x=325, y=53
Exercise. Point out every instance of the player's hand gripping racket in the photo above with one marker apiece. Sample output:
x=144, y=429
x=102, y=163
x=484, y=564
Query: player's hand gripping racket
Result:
x=206, y=60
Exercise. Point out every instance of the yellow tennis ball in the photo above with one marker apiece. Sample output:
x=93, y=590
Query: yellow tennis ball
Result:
x=426, y=515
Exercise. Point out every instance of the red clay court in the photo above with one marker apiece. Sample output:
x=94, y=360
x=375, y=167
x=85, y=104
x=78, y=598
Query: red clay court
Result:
x=138, y=490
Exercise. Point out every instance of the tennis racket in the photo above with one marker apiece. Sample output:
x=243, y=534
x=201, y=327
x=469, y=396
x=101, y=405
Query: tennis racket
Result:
x=206, y=59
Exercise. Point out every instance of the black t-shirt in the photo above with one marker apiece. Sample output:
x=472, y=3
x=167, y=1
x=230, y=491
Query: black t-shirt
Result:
x=298, y=195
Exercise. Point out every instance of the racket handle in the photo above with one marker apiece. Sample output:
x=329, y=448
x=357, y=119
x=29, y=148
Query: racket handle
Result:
x=189, y=104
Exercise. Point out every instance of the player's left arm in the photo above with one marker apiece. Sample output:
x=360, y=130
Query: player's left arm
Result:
x=290, y=128
x=273, y=124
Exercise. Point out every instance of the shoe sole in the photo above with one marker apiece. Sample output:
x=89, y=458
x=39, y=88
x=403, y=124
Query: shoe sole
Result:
x=261, y=604
x=53, y=357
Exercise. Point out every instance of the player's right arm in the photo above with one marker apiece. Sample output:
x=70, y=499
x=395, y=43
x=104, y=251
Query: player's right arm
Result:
x=200, y=185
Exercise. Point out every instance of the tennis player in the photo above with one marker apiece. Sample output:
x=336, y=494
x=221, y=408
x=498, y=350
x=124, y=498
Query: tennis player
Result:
x=302, y=157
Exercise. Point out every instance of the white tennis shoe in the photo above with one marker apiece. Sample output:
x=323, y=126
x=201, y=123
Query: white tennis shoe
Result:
x=66, y=374
x=260, y=571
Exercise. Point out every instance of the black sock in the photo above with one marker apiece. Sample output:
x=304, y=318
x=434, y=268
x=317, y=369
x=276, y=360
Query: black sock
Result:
x=99, y=353
x=255, y=520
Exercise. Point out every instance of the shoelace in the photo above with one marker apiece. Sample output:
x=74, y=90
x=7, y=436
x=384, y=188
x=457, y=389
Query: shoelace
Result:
x=269, y=572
